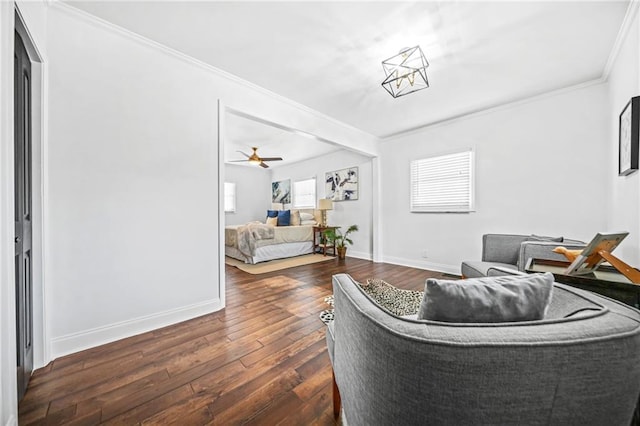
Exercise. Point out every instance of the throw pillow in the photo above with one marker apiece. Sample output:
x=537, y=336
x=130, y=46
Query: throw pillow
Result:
x=295, y=218
x=273, y=221
x=284, y=217
x=272, y=213
x=492, y=299
x=308, y=222
x=306, y=216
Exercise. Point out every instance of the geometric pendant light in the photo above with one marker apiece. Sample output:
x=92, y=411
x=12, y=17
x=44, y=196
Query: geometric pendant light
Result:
x=405, y=72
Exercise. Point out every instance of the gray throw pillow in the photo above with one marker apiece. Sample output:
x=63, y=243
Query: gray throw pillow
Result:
x=491, y=299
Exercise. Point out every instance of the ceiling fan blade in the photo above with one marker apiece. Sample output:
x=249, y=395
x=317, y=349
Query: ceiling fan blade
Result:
x=271, y=158
x=263, y=165
x=246, y=155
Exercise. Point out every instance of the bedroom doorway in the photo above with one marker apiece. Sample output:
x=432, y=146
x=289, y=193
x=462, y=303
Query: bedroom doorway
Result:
x=240, y=131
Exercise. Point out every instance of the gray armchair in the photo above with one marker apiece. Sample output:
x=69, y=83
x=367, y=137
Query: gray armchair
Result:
x=578, y=366
x=513, y=251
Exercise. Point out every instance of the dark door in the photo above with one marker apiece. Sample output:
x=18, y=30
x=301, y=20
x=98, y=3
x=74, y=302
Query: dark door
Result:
x=22, y=192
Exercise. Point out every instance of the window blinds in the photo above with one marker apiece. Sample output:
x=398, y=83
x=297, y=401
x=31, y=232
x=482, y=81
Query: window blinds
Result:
x=443, y=183
x=229, y=197
x=304, y=194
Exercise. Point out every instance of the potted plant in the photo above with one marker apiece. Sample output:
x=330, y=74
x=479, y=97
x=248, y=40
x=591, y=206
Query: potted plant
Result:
x=335, y=236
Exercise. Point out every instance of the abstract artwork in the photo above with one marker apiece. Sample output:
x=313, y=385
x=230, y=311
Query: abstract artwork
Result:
x=342, y=185
x=629, y=137
x=281, y=192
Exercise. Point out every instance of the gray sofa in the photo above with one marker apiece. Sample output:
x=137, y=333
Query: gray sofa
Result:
x=512, y=251
x=578, y=366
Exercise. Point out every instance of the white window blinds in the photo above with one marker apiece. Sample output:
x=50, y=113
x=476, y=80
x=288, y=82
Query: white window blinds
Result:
x=304, y=194
x=229, y=197
x=443, y=183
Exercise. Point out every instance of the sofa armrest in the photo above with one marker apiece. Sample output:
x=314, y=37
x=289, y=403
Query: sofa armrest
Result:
x=544, y=250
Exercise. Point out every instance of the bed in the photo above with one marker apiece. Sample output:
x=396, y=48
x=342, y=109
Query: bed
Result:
x=256, y=242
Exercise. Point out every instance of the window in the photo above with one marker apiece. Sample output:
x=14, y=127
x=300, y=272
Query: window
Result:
x=229, y=197
x=304, y=194
x=443, y=183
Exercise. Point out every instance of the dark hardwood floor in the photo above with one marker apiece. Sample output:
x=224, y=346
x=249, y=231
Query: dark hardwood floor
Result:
x=262, y=360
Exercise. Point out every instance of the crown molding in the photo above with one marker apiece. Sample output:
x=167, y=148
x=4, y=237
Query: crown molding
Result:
x=502, y=106
x=627, y=23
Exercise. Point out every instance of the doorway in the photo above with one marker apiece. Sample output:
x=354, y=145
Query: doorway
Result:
x=23, y=214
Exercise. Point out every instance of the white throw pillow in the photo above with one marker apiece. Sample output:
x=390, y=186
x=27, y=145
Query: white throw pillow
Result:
x=273, y=221
x=306, y=216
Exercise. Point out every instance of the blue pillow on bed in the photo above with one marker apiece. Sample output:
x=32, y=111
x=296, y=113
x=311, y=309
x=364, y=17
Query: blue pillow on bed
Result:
x=272, y=213
x=284, y=217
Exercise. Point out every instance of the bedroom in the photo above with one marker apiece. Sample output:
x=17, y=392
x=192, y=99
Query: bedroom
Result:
x=546, y=164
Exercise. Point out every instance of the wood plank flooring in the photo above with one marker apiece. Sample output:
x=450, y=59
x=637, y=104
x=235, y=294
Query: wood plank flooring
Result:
x=262, y=360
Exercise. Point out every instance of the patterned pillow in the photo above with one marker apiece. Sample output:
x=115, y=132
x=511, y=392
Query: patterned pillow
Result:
x=397, y=301
x=295, y=218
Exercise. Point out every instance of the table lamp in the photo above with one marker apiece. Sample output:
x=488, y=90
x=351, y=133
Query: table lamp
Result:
x=324, y=204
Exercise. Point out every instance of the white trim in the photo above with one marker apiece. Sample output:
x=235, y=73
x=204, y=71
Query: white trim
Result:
x=623, y=32
x=12, y=421
x=421, y=264
x=359, y=254
x=221, y=119
x=376, y=216
x=76, y=342
x=490, y=109
x=193, y=61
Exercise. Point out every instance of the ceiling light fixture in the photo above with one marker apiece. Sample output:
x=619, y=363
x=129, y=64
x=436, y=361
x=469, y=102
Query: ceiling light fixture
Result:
x=406, y=72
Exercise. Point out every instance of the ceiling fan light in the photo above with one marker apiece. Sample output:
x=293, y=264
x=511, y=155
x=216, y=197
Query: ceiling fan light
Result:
x=406, y=72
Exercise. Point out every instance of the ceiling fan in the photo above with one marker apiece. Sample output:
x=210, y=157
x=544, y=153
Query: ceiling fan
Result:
x=255, y=159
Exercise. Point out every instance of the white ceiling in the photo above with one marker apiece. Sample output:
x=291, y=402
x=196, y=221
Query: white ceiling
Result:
x=243, y=133
x=327, y=55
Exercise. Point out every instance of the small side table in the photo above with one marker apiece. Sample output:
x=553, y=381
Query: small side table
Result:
x=320, y=244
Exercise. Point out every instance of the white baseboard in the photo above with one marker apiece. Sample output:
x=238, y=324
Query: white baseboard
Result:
x=359, y=254
x=76, y=342
x=423, y=264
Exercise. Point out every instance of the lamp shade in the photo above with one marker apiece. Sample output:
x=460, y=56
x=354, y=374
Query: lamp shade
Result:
x=325, y=204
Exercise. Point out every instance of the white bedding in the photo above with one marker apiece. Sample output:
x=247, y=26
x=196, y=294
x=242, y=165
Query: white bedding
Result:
x=275, y=251
x=294, y=240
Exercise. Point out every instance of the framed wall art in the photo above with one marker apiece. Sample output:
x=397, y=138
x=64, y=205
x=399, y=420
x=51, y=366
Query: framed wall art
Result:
x=629, y=133
x=281, y=191
x=342, y=185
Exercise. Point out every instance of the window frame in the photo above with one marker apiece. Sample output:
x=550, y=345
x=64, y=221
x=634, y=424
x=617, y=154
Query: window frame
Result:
x=294, y=204
x=468, y=207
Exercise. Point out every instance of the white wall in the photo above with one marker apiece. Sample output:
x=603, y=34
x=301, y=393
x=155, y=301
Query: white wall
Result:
x=344, y=213
x=132, y=175
x=253, y=193
x=623, y=202
x=541, y=167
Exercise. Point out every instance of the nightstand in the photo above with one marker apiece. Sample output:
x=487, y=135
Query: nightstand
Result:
x=320, y=244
